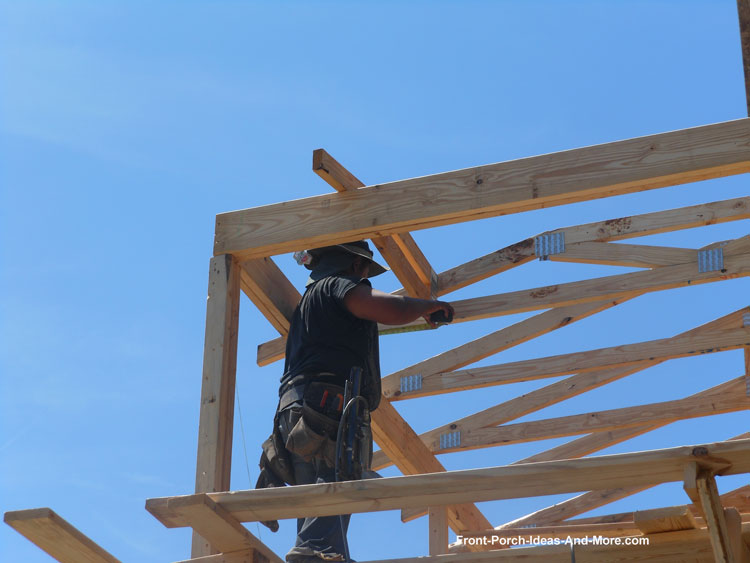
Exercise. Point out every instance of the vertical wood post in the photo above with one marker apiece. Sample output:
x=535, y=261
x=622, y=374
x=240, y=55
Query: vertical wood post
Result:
x=743, y=10
x=438, y=522
x=214, y=461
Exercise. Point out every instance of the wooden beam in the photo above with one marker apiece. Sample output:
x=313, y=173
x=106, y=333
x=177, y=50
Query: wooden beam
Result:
x=492, y=343
x=245, y=556
x=613, y=229
x=609, y=230
x=660, y=520
x=399, y=441
x=634, y=165
x=54, y=535
x=743, y=11
x=738, y=548
x=733, y=399
x=436, y=489
x=270, y=290
x=561, y=390
x=400, y=251
x=438, y=524
x=668, y=277
x=592, y=499
x=213, y=466
x=222, y=530
x=628, y=255
x=701, y=487
x=576, y=362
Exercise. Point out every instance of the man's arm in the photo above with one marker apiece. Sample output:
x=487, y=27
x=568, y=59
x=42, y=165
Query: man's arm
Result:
x=366, y=303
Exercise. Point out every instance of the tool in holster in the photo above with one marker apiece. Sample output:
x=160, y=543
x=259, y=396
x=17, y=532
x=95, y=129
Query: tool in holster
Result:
x=350, y=438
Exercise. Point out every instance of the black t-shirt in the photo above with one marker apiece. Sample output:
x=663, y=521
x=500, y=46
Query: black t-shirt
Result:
x=325, y=337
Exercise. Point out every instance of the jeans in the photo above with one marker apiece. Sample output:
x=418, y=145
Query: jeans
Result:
x=317, y=536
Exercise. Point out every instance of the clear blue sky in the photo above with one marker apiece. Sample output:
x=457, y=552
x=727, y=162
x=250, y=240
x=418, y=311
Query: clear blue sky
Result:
x=125, y=127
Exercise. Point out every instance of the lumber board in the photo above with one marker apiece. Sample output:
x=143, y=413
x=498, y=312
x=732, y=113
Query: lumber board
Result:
x=738, y=498
x=628, y=255
x=563, y=531
x=609, y=230
x=613, y=229
x=703, y=483
x=738, y=548
x=733, y=399
x=270, y=290
x=575, y=362
x=629, y=166
x=58, y=538
x=438, y=531
x=399, y=441
x=593, y=499
x=436, y=489
x=216, y=422
x=245, y=556
x=564, y=389
x=222, y=530
x=743, y=11
x=668, y=277
x=660, y=520
x=498, y=341
x=400, y=251
x=494, y=342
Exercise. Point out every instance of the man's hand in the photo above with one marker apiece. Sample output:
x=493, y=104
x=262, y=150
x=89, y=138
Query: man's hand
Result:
x=366, y=303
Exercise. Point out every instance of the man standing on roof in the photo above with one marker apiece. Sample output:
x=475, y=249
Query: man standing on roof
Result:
x=334, y=327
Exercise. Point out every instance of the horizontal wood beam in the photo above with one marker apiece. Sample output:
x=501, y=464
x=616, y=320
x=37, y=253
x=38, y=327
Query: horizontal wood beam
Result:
x=593, y=499
x=437, y=489
x=55, y=536
x=609, y=230
x=575, y=362
x=400, y=251
x=634, y=165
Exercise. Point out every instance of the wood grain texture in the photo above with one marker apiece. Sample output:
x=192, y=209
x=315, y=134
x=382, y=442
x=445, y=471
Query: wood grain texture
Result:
x=514, y=481
x=270, y=290
x=399, y=441
x=732, y=399
x=627, y=255
x=55, y=536
x=610, y=230
x=575, y=362
x=629, y=166
x=438, y=531
x=400, y=251
x=216, y=423
x=660, y=520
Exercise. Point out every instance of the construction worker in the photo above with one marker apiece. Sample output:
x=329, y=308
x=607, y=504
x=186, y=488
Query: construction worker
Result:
x=333, y=328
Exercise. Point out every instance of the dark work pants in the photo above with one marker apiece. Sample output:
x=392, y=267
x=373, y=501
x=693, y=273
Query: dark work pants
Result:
x=317, y=536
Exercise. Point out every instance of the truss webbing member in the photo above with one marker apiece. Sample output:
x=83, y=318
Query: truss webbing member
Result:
x=333, y=329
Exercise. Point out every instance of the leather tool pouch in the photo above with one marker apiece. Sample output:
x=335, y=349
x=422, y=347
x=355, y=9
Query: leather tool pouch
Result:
x=314, y=434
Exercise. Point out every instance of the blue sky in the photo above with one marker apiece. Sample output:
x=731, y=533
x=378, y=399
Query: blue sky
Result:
x=126, y=127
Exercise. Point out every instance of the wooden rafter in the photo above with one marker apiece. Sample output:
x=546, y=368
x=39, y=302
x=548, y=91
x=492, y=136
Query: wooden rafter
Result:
x=270, y=290
x=575, y=362
x=736, y=264
x=601, y=231
x=400, y=251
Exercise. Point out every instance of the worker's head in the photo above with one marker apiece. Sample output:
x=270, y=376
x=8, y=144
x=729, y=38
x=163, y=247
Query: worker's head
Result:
x=352, y=258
